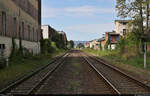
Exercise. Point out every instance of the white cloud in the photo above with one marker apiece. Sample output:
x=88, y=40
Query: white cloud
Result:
x=91, y=28
x=48, y=12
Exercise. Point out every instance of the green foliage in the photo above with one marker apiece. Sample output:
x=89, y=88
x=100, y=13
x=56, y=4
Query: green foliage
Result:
x=100, y=46
x=2, y=61
x=47, y=47
x=80, y=45
x=20, y=67
x=71, y=43
x=106, y=45
x=58, y=39
x=14, y=49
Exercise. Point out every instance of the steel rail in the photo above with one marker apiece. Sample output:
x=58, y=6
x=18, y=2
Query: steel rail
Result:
x=47, y=75
x=117, y=70
x=25, y=77
x=127, y=75
x=107, y=81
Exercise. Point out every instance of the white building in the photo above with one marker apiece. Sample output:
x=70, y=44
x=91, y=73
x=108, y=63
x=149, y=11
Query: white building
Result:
x=94, y=44
x=47, y=32
x=122, y=26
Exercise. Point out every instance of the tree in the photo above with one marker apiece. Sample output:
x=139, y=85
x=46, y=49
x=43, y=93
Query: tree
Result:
x=80, y=45
x=134, y=9
x=59, y=40
x=71, y=43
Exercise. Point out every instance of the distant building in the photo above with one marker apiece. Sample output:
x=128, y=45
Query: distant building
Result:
x=63, y=36
x=47, y=32
x=113, y=39
x=94, y=44
x=20, y=19
x=87, y=45
x=122, y=26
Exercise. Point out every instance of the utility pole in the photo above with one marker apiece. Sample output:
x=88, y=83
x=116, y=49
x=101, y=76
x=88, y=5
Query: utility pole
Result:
x=145, y=51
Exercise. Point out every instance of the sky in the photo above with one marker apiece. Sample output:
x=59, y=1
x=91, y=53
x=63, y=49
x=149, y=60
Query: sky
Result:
x=82, y=20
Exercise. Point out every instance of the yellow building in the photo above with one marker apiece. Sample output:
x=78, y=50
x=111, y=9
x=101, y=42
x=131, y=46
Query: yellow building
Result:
x=20, y=19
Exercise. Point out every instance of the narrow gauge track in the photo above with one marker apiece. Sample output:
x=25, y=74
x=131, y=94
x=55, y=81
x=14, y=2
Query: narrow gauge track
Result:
x=31, y=83
x=120, y=81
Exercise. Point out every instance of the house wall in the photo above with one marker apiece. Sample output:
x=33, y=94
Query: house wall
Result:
x=106, y=39
x=45, y=32
x=148, y=48
x=31, y=46
x=22, y=21
x=94, y=44
x=120, y=27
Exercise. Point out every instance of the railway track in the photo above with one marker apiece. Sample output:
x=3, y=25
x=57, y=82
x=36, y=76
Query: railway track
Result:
x=121, y=82
x=97, y=77
x=94, y=83
x=105, y=86
x=32, y=82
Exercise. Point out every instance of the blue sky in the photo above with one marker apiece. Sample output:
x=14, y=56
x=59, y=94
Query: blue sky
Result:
x=81, y=19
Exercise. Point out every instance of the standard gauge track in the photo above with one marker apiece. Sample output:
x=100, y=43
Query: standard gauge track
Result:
x=31, y=83
x=87, y=81
x=121, y=82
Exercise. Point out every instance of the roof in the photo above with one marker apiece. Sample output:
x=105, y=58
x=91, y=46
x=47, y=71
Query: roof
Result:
x=123, y=20
x=113, y=33
x=101, y=39
x=61, y=32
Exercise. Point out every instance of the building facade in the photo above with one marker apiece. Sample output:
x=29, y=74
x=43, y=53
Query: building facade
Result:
x=113, y=39
x=87, y=45
x=64, y=36
x=47, y=32
x=94, y=44
x=20, y=19
x=122, y=26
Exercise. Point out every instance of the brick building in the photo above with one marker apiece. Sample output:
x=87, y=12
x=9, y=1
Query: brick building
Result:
x=20, y=19
x=87, y=45
x=113, y=37
x=63, y=36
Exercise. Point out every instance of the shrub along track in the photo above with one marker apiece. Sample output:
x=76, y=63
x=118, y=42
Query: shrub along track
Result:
x=124, y=83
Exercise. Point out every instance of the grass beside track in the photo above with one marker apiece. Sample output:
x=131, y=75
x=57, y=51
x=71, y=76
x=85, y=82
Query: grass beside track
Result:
x=20, y=67
x=113, y=56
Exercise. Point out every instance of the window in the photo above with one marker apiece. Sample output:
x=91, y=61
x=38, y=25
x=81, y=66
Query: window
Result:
x=37, y=35
x=22, y=35
x=28, y=32
x=2, y=46
x=124, y=31
x=33, y=34
x=124, y=23
x=110, y=38
x=117, y=38
x=15, y=27
x=3, y=23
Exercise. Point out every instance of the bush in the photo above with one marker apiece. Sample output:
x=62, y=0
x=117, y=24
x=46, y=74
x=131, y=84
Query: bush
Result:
x=2, y=63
